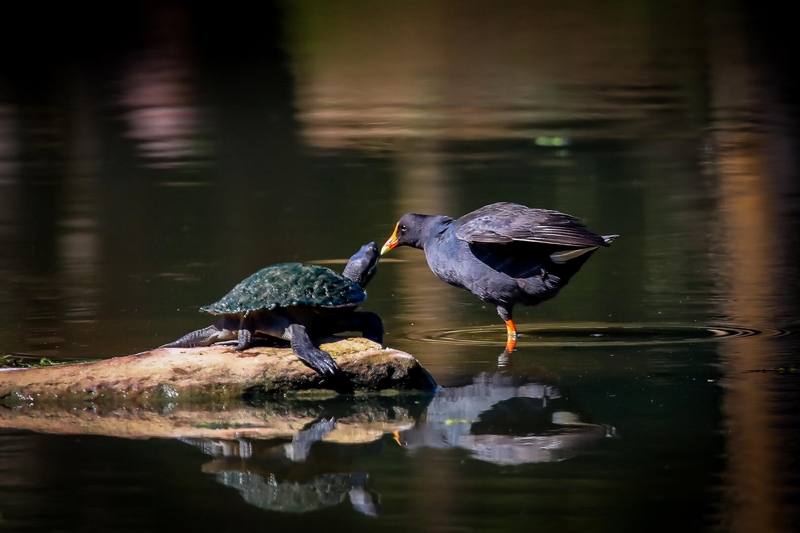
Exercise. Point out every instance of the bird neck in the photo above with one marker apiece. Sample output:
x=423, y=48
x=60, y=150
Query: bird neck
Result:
x=434, y=227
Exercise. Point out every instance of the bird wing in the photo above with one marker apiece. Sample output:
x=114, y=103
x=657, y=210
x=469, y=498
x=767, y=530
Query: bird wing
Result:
x=506, y=222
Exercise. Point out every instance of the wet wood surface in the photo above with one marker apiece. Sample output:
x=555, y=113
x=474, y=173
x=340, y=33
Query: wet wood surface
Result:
x=211, y=374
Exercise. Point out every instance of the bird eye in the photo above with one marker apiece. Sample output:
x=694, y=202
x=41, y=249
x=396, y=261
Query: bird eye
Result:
x=403, y=228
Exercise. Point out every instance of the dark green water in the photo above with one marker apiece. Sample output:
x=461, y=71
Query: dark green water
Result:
x=152, y=158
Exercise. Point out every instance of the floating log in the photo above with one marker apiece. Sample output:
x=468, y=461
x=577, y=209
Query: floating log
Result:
x=211, y=374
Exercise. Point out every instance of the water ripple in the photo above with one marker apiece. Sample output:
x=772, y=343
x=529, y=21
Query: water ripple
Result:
x=587, y=334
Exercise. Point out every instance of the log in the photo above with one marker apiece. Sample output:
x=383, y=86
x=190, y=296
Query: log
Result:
x=211, y=374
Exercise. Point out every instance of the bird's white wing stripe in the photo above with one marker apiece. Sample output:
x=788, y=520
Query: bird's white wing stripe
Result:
x=565, y=255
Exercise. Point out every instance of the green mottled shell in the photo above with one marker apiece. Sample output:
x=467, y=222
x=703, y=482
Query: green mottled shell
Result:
x=286, y=285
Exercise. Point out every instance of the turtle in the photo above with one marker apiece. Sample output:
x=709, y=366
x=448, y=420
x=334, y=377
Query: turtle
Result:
x=296, y=302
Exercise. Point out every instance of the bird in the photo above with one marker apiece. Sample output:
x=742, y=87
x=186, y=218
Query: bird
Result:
x=503, y=253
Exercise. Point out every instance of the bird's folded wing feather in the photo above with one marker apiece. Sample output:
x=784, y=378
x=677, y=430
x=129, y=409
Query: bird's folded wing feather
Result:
x=518, y=223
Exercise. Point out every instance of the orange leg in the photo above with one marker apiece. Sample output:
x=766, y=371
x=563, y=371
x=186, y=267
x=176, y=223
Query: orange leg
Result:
x=511, y=329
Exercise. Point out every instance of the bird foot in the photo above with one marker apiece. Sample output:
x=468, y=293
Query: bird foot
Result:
x=511, y=343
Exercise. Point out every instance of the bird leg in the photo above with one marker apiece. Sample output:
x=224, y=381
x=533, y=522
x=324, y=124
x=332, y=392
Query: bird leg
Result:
x=511, y=329
x=511, y=340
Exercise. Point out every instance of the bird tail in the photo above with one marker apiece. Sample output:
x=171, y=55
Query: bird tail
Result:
x=609, y=238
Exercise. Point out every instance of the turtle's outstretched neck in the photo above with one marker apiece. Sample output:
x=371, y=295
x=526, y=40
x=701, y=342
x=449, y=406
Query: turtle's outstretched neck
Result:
x=362, y=265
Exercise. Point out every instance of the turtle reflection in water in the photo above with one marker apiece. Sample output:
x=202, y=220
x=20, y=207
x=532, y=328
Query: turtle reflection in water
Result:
x=295, y=302
x=290, y=497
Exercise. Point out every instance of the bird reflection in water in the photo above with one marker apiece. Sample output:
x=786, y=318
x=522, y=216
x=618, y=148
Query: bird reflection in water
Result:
x=505, y=420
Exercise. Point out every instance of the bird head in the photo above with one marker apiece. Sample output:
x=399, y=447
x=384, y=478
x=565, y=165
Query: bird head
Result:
x=414, y=230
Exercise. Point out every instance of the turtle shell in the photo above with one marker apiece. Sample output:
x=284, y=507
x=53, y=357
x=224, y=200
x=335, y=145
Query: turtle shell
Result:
x=286, y=285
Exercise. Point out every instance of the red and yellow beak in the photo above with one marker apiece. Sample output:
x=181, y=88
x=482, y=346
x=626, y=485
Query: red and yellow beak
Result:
x=392, y=242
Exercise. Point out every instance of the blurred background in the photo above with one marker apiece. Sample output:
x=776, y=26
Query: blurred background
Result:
x=153, y=154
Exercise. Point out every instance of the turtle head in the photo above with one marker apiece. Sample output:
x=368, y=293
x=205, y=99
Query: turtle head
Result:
x=363, y=264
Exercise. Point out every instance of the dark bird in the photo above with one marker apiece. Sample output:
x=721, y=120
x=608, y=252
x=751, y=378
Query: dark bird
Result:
x=503, y=253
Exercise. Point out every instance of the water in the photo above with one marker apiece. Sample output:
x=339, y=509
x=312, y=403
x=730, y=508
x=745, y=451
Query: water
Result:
x=151, y=160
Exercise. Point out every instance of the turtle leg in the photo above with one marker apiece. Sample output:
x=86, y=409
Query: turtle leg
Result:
x=309, y=354
x=302, y=440
x=245, y=339
x=245, y=333
x=368, y=323
x=203, y=337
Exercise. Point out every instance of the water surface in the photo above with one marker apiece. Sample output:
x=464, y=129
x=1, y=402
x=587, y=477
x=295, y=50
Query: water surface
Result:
x=150, y=162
